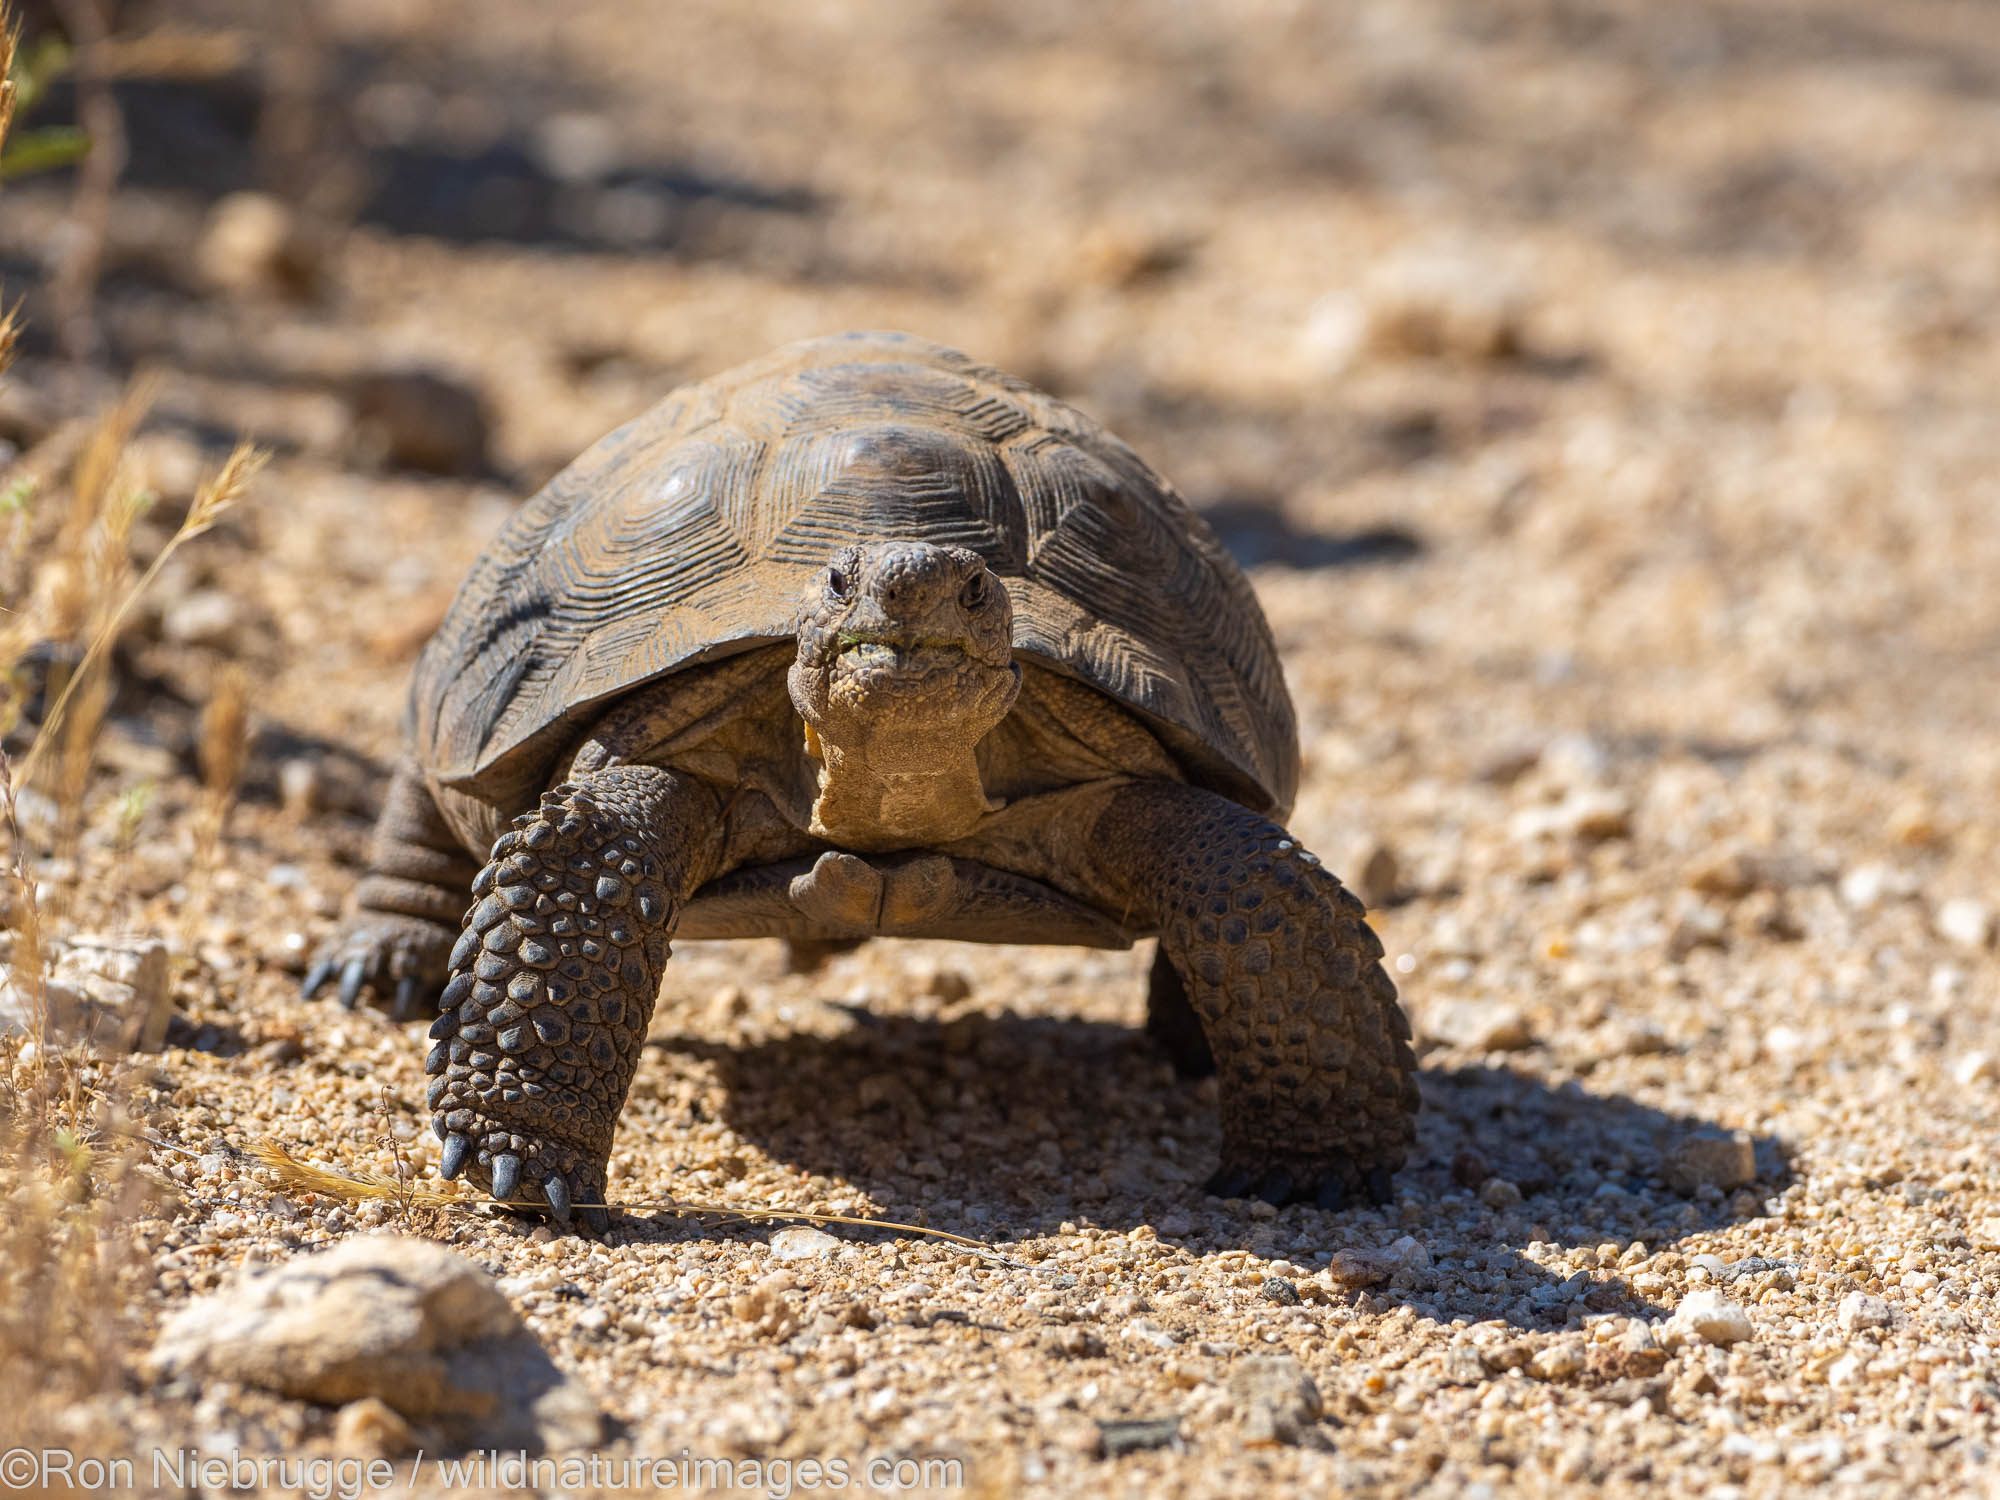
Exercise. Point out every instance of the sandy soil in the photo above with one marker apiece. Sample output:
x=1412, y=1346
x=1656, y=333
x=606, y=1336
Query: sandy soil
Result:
x=1603, y=396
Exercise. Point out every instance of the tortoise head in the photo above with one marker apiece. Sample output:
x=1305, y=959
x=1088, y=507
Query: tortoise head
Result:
x=902, y=627
x=906, y=649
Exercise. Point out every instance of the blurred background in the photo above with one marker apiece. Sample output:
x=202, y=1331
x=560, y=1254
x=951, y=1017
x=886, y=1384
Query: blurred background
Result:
x=1559, y=366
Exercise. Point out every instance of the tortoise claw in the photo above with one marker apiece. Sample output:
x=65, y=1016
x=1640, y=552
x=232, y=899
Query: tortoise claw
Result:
x=1332, y=1193
x=556, y=1190
x=316, y=978
x=457, y=1151
x=506, y=1175
x=597, y=1217
x=351, y=979
x=405, y=1005
x=1381, y=1185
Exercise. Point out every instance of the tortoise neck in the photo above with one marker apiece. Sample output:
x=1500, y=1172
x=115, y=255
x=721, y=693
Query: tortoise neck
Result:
x=877, y=796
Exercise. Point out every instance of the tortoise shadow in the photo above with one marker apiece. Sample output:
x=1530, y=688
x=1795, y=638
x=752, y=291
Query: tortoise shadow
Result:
x=1003, y=1127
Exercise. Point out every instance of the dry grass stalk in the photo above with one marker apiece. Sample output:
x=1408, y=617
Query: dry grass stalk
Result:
x=224, y=743
x=211, y=503
x=353, y=1186
x=7, y=92
x=61, y=1260
x=28, y=972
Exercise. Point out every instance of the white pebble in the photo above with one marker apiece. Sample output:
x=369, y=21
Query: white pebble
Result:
x=1712, y=1318
x=1859, y=1310
x=1975, y=1067
x=1967, y=922
x=802, y=1243
x=1865, y=886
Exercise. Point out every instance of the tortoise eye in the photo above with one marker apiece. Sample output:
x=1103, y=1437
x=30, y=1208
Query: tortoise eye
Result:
x=974, y=593
x=836, y=583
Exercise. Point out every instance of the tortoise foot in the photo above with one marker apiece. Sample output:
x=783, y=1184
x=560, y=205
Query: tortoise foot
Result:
x=400, y=960
x=553, y=983
x=523, y=1170
x=1328, y=1186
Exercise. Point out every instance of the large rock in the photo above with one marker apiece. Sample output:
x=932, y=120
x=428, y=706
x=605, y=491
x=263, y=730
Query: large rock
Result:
x=403, y=1320
x=107, y=991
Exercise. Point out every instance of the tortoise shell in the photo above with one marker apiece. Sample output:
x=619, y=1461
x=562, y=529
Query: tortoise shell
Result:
x=689, y=534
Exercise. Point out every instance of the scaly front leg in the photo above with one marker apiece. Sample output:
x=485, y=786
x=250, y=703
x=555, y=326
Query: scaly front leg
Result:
x=1317, y=1077
x=554, y=978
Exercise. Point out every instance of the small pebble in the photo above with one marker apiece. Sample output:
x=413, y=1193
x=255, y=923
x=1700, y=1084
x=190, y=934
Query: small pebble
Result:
x=1858, y=1310
x=803, y=1242
x=1710, y=1159
x=1712, y=1318
x=1967, y=922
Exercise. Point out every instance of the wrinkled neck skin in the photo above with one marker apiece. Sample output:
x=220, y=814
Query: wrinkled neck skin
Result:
x=898, y=785
x=905, y=664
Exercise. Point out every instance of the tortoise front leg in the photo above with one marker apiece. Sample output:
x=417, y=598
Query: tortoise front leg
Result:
x=554, y=978
x=1316, y=1073
x=402, y=917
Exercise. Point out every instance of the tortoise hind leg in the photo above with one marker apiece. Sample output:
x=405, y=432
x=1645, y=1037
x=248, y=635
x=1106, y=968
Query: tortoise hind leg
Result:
x=554, y=977
x=810, y=955
x=402, y=918
x=1317, y=1078
x=1172, y=1022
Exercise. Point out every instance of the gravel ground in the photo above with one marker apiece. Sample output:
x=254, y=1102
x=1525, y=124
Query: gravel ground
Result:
x=1602, y=395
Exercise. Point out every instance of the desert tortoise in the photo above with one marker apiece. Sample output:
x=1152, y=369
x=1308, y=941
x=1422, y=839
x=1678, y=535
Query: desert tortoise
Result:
x=860, y=639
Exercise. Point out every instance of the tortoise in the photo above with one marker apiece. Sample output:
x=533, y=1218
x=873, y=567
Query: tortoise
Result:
x=861, y=639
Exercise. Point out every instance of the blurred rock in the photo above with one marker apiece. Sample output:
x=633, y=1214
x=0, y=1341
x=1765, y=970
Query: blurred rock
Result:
x=1360, y=1268
x=206, y=617
x=1722, y=872
x=106, y=991
x=372, y=1426
x=1866, y=886
x=575, y=146
x=1627, y=1036
x=419, y=419
x=1589, y=813
x=1710, y=1158
x=300, y=787
x=1379, y=876
x=1573, y=760
x=1126, y=256
x=1560, y=1361
x=1274, y=1398
x=252, y=245
x=803, y=1243
x=404, y=1321
x=1967, y=922
x=1477, y=1025
x=1975, y=1067
x=1277, y=1289
x=1710, y=1318
x=1858, y=1310
x=949, y=985
x=1435, y=302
